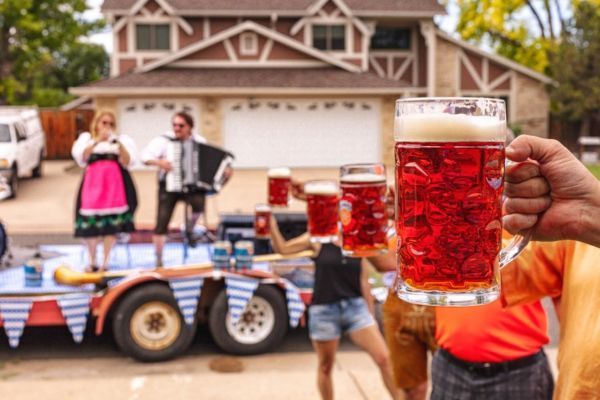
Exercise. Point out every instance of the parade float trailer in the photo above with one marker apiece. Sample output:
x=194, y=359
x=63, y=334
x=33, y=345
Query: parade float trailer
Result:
x=154, y=312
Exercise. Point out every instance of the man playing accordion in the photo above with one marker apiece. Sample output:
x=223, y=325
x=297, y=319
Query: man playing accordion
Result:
x=171, y=153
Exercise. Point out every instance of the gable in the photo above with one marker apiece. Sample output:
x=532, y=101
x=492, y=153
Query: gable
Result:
x=268, y=47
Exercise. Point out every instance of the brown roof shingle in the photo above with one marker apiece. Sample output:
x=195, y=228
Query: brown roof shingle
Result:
x=318, y=78
x=427, y=6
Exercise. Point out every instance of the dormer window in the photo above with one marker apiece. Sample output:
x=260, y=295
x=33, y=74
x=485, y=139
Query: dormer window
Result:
x=248, y=44
x=390, y=38
x=153, y=36
x=329, y=37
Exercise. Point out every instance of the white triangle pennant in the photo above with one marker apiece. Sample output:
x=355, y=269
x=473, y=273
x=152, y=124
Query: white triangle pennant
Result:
x=14, y=314
x=295, y=304
x=239, y=292
x=187, y=293
x=75, y=309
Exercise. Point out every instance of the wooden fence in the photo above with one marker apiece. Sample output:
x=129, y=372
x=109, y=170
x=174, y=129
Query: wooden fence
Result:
x=62, y=128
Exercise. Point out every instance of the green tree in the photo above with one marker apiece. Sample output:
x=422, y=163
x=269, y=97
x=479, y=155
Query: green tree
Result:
x=35, y=39
x=575, y=66
x=523, y=30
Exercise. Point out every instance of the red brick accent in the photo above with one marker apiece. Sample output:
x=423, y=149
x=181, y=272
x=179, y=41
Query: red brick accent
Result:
x=329, y=7
x=281, y=52
x=151, y=6
x=358, y=37
x=123, y=39
x=466, y=81
x=476, y=61
x=214, y=52
x=198, y=25
x=126, y=65
x=495, y=70
x=220, y=24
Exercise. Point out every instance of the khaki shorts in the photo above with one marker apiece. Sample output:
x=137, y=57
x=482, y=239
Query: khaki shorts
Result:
x=409, y=332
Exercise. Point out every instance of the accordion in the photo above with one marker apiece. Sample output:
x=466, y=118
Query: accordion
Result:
x=197, y=167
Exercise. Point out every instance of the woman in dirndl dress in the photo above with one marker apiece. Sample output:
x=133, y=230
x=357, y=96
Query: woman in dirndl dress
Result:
x=106, y=200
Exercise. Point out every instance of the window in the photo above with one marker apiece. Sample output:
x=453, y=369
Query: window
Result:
x=4, y=133
x=248, y=44
x=329, y=37
x=21, y=134
x=153, y=37
x=386, y=38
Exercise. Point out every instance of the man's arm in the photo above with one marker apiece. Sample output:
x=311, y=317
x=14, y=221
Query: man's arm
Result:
x=536, y=273
x=153, y=154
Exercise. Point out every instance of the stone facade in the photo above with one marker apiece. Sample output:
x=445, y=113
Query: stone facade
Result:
x=531, y=113
x=446, y=68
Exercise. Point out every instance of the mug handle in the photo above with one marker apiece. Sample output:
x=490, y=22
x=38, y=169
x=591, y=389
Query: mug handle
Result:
x=514, y=248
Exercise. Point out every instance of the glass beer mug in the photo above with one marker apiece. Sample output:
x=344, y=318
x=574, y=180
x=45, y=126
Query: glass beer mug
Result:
x=449, y=181
x=322, y=210
x=363, y=216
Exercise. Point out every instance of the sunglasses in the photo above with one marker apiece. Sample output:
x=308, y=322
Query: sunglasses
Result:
x=109, y=123
x=178, y=125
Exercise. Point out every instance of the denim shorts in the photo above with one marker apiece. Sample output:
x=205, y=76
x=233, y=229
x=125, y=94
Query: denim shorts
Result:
x=329, y=321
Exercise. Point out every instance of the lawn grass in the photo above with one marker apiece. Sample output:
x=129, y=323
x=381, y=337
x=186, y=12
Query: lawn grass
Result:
x=595, y=170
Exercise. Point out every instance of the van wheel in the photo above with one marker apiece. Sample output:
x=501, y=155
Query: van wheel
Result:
x=37, y=171
x=261, y=328
x=14, y=183
x=148, y=326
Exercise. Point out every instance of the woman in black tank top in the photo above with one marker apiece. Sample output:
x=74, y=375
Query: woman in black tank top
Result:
x=341, y=303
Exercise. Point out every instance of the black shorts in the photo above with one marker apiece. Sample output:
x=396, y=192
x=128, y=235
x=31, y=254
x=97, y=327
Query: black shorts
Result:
x=167, y=202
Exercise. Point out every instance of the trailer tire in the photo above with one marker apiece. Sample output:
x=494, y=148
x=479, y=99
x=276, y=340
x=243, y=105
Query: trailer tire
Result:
x=148, y=325
x=261, y=328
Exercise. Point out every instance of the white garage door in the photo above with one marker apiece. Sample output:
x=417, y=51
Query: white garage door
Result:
x=302, y=133
x=144, y=119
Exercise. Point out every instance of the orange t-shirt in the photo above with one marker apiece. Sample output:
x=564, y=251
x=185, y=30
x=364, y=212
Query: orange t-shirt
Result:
x=490, y=333
x=570, y=270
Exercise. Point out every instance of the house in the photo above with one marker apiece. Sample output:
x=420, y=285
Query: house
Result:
x=296, y=82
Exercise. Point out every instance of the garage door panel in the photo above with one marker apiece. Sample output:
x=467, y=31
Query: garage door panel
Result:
x=144, y=119
x=301, y=133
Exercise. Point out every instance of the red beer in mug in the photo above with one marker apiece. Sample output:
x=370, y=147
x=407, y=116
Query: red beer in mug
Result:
x=362, y=209
x=322, y=199
x=449, y=181
x=262, y=217
x=279, y=186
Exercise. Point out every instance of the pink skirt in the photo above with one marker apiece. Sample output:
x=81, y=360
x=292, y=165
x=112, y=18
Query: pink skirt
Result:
x=103, y=190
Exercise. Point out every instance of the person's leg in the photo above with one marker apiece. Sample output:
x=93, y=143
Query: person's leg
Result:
x=408, y=354
x=196, y=201
x=166, y=205
x=109, y=242
x=450, y=382
x=324, y=329
x=326, y=357
x=91, y=244
x=370, y=340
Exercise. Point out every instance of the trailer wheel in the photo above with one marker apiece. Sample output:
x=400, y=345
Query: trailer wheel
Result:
x=148, y=326
x=260, y=329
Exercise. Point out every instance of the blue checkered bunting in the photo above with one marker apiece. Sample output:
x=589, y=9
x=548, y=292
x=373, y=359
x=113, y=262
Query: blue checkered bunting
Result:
x=239, y=292
x=14, y=314
x=187, y=293
x=295, y=304
x=75, y=309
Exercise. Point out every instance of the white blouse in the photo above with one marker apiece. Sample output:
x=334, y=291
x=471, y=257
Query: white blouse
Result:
x=104, y=147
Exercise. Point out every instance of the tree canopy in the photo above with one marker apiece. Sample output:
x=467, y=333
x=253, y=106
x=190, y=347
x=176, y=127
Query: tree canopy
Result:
x=575, y=66
x=42, y=51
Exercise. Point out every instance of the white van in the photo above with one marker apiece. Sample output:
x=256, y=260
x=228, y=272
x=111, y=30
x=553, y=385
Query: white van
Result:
x=22, y=147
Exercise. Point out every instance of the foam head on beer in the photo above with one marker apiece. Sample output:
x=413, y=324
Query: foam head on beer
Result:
x=324, y=188
x=441, y=127
x=362, y=178
x=280, y=172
